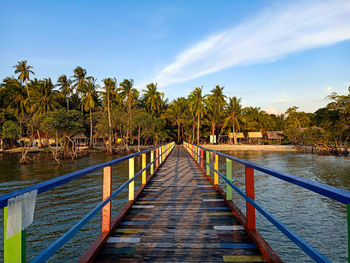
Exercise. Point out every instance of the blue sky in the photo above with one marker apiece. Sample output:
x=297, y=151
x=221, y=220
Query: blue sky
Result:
x=273, y=54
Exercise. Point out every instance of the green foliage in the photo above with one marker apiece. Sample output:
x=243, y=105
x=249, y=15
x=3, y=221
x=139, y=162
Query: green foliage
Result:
x=62, y=123
x=10, y=130
x=74, y=105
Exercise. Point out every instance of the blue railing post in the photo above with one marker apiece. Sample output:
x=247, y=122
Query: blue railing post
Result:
x=348, y=215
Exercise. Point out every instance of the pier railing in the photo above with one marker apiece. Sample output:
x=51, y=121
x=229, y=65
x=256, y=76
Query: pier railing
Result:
x=202, y=156
x=15, y=246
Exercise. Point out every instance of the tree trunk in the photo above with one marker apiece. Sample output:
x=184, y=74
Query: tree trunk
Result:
x=28, y=92
x=193, y=127
x=91, y=142
x=67, y=103
x=109, y=125
x=234, y=130
x=138, y=139
x=198, y=129
x=178, y=133
x=213, y=131
x=39, y=144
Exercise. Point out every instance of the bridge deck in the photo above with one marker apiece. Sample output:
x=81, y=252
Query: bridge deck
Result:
x=179, y=217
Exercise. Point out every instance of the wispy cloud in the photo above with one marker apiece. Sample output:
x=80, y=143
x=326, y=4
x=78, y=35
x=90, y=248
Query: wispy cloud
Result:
x=266, y=37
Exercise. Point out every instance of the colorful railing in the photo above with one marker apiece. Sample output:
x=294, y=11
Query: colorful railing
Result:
x=15, y=246
x=342, y=196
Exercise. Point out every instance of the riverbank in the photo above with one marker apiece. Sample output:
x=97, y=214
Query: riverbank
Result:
x=83, y=148
x=244, y=147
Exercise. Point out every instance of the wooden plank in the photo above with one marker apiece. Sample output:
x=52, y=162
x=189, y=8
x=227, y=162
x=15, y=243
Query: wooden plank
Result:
x=180, y=218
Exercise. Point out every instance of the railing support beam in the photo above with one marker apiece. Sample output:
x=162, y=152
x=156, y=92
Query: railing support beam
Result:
x=348, y=212
x=106, y=192
x=201, y=158
x=249, y=189
x=216, y=167
x=229, y=177
x=157, y=159
x=207, y=153
x=144, y=173
x=15, y=246
x=152, y=165
x=131, y=175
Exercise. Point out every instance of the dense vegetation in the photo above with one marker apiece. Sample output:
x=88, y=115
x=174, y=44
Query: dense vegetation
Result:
x=73, y=105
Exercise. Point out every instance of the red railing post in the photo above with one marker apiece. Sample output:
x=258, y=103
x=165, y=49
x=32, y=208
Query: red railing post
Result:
x=201, y=158
x=157, y=160
x=249, y=190
x=106, y=192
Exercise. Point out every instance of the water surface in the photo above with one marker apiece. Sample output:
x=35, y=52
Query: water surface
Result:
x=319, y=220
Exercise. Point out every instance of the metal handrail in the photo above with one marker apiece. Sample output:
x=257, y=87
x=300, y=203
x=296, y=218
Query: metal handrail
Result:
x=334, y=193
x=325, y=190
x=52, y=183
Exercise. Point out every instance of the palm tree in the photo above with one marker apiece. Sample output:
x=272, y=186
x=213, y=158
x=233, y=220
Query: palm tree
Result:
x=65, y=85
x=196, y=102
x=44, y=97
x=89, y=101
x=234, y=112
x=175, y=114
x=153, y=99
x=130, y=96
x=213, y=114
x=218, y=96
x=24, y=70
x=253, y=117
x=14, y=99
x=110, y=88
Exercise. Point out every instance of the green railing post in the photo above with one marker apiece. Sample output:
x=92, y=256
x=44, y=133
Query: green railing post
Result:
x=207, y=155
x=229, y=177
x=348, y=210
x=131, y=175
x=152, y=159
x=15, y=246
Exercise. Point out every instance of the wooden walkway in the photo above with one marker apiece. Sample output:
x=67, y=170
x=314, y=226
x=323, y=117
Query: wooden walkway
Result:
x=179, y=217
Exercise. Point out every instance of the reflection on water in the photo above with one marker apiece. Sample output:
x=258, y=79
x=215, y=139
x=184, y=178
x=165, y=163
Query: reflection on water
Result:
x=319, y=220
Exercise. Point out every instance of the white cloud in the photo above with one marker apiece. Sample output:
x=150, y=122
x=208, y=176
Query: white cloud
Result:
x=266, y=37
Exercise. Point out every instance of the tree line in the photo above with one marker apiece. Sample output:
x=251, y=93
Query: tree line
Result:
x=118, y=111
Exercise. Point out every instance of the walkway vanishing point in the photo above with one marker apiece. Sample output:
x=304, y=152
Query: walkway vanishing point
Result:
x=180, y=217
x=180, y=213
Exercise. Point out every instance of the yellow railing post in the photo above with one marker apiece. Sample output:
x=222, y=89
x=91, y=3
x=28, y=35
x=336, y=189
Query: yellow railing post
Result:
x=152, y=165
x=216, y=166
x=143, y=167
x=131, y=175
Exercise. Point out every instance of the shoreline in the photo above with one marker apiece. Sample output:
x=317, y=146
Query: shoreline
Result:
x=247, y=147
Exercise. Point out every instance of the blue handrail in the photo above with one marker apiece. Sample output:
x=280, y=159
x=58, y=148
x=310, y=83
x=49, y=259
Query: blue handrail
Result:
x=334, y=193
x=52, y=183
x=325, y=190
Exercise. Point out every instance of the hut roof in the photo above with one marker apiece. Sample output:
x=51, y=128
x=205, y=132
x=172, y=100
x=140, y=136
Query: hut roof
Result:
x=98, y=136
x=274, y=135
x=254, y=135
x=239, y=135
x=80, y=136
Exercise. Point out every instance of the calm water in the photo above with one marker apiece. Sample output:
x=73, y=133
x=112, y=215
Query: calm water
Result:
x=319, y=220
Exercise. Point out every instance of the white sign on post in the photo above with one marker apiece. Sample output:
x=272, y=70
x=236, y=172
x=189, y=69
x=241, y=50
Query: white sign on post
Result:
x=20, y=212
